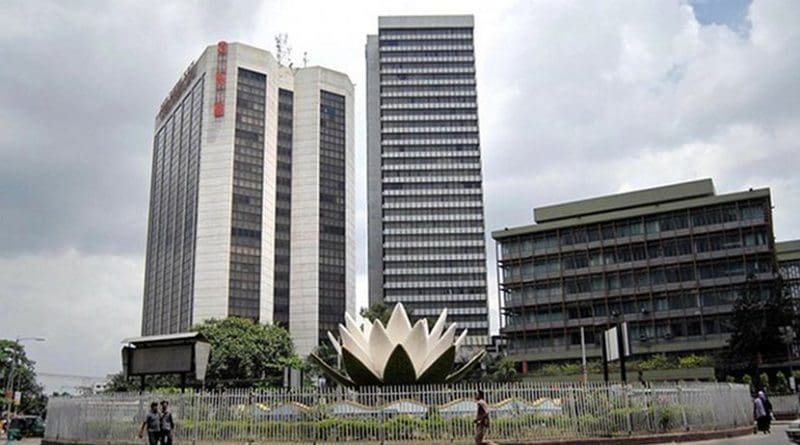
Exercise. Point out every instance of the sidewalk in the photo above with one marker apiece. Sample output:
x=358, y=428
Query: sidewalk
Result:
x=690, y=436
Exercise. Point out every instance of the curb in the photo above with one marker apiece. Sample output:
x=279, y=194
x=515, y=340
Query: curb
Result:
x=690, y=436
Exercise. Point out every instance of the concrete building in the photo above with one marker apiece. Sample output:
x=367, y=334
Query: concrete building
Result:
x=788, y=255
x=252, y=197
x=425, y=199
x=669, y=260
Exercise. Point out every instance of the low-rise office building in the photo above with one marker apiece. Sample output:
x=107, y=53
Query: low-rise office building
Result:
x=670, y=261
x=788, y=256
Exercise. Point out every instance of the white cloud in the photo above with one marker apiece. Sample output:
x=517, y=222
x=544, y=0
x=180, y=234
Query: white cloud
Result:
x=84, y=305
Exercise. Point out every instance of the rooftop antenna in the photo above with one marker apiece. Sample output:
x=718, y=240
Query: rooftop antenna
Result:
x=283, y=51
x=305, y=59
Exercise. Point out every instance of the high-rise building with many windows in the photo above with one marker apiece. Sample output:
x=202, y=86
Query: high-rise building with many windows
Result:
x=425, y=200
x=670, y=261
x=252, y=199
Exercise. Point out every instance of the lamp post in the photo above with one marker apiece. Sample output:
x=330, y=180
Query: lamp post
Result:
x=12, y=369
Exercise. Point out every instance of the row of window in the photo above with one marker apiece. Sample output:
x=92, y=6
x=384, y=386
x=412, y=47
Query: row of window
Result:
x=659, y=331
x=748, y=211
x=642, y=304
x=651, y=250
x=644, y=278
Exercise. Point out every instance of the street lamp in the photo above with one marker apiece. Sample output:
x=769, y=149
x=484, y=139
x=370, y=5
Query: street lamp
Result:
x=10, y=384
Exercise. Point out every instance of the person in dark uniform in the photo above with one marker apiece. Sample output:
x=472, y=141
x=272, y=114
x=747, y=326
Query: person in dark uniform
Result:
x=152, y=421
x=167, y=424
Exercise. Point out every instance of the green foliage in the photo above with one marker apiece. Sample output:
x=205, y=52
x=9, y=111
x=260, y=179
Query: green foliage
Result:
x=33, y=399
x=747, y=379
x=730, y=379
x=377, y=311
x=666, y=418
x=756, y=317
x=763, y=380
x=244, y=352
x=694, y=361
x=781, y=384
x=657, y=361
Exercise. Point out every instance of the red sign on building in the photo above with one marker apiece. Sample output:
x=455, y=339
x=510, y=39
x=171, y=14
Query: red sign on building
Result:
x=220, y=77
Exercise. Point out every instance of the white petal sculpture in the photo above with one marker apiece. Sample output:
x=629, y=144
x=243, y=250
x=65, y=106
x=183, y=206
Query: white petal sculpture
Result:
x=397, y=354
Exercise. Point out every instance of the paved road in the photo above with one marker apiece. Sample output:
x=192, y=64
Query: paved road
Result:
x=27, y=441
x=778, y=437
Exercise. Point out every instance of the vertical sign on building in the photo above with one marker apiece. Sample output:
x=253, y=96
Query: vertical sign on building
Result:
x=222, y=62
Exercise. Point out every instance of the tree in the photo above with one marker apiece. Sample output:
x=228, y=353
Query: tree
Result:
x=378, y=311
x=245, y=353
x=505, y=370
x=755, y=321
x=33, y=399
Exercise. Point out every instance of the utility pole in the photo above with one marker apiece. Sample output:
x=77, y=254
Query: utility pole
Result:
x=605, y=359
x=621, y=346
x=583, y=357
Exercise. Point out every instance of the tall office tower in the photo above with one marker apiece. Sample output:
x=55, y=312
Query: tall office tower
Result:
x=252, y=200
x=425, y=199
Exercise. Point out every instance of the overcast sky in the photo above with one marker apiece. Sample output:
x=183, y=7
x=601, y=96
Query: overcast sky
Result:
x=576, y=99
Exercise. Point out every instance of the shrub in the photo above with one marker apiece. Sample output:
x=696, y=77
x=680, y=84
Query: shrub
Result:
x=781, y=385
x=730, y=379
x=693, y=361
x=657, y=361
x=763, y=380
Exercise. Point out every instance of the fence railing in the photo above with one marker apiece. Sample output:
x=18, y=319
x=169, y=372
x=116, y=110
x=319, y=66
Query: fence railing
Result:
x=786, y=405
x=519, y=411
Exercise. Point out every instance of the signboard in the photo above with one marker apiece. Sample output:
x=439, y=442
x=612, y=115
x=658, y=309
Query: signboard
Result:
x=612, y=342
x=161, y=360
x=17, y=398
x=202, y=352
x=219, y=79
x=167, y=356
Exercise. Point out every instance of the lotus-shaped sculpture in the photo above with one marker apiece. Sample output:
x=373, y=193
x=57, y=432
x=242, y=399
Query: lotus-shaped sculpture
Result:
x=397, y=354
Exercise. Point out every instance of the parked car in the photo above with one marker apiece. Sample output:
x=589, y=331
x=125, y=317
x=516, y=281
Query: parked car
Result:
x=25, y=426
x=793, y=431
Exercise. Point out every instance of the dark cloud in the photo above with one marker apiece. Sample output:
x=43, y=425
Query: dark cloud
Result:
x=81, y=84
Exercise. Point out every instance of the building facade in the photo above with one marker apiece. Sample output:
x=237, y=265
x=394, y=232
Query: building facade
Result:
x=788, y=255
x=426, y=241
x=252, y=197
x=670, y=261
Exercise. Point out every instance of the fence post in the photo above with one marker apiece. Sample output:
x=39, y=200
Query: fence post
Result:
x=195, y=415
x=626, y=400
x=683, y=408
x=379, y=399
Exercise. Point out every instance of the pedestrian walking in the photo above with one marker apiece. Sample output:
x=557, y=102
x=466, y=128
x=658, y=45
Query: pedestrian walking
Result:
x=481, y=420
x=152, y=421
x=761, y=414
x=167, y=424
x=767, y=408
